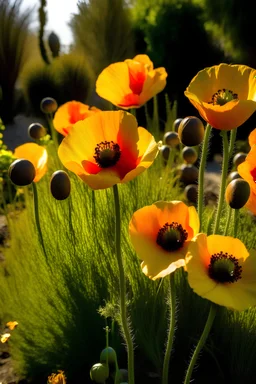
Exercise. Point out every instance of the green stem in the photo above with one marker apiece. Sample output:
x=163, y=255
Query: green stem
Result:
x=223, y=179
x=232, y=143
x=39, y=231
x=236, y=217
x=133, y=111
x=228, y=221
x=148, y=120
x=52, y=129
x=201, y=342
x=167, y=356
x=122, y=288
x=155, y=118
x=200, y=202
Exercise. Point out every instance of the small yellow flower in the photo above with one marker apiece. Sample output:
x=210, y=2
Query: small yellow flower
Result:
x=11, y=325
x=220, y=269
x=5, y=337
x=224, y=95
x=58, y=378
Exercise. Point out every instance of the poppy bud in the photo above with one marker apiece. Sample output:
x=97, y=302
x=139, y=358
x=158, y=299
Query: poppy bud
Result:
x=237, y=193
x=176, y=124
x=165, y=151
x=22, y=172
x=54, y=44
x=60, y=185
x=171, y=139
x=191, y=131
x=108, y=354
x=239, y=158
x=189, y=155
x=189, y=174
x=48, y=105
x=36, y=131
x=191, y=192
x=233, y=175
x=99, y=373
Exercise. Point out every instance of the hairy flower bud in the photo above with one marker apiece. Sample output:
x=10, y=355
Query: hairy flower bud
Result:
x=60, y=185
x=191, y=131
x=99, y=373
x=237, y=193
x=171, y=139
x=22, y=172
x=239, y=158
x=189, y=155
x=176, y=124
x=36, y=131
x=48, y=105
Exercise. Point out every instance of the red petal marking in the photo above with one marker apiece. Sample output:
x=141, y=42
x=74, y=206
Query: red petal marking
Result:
x=90, y=167
x=137, y=80
x=130, y=100
x=66, y=130
x=75, y=115
x=253, y=174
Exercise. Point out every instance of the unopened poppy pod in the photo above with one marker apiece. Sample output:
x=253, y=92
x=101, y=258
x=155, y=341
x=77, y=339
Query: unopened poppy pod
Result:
x=221, y=269
x=107, y=149
x=70, y=113
x=131, y=83
x=160, y=234
x=36, y=154
x=224, y=95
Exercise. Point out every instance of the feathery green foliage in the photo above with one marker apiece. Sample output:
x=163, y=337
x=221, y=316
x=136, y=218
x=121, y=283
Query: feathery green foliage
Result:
x=13, y=35
x=102, y=29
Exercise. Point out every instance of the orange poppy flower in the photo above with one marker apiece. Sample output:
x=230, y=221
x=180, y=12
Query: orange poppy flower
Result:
x=160, y=234
x=36, y=154
x=224, y=95
x=58, y=378
x=69, y=113
x=107, y=149
x=252, y=138
x=247, y=170
x=131, y=83
x=220, y=269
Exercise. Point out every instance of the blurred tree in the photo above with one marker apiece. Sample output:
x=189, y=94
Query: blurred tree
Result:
x=102, y=29
x=13, y=36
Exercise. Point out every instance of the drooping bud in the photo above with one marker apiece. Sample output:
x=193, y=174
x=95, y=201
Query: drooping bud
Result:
x=60, y=185
x=108, y=355
x=36, y=131
x=237, y=193
x=233, y=175
x=48, y=105
x=99, y=373
x=191, y=192
x=191, y=131
x=171, y=139
x=22, y=172
x=189, y=174
x=165, y=151
x=189, y=155
x=176, y=124
x=239, y=158
x=54, y=44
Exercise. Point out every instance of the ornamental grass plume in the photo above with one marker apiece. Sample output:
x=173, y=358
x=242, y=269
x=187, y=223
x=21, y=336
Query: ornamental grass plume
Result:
x=70, y=113
x=224, y=95
x=131, y=83
x=107, y=149
x=36, y=154
x=160, y=234
x=222, y=270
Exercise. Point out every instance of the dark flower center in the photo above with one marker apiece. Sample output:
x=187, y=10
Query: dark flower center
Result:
x=107, y=154
x=224, y=268
x=223, y=96
x=171, y=237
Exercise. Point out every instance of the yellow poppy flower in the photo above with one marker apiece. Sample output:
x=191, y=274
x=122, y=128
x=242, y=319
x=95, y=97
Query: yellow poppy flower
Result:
x=220, y=269
x=160, y=234
x=131, y=83
x=224, y=95
x=247, y=170
x=107, y=149
x=58, y=378
x=36, y=154
x=12, y=325
x=5, y=337
x=69, y=113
